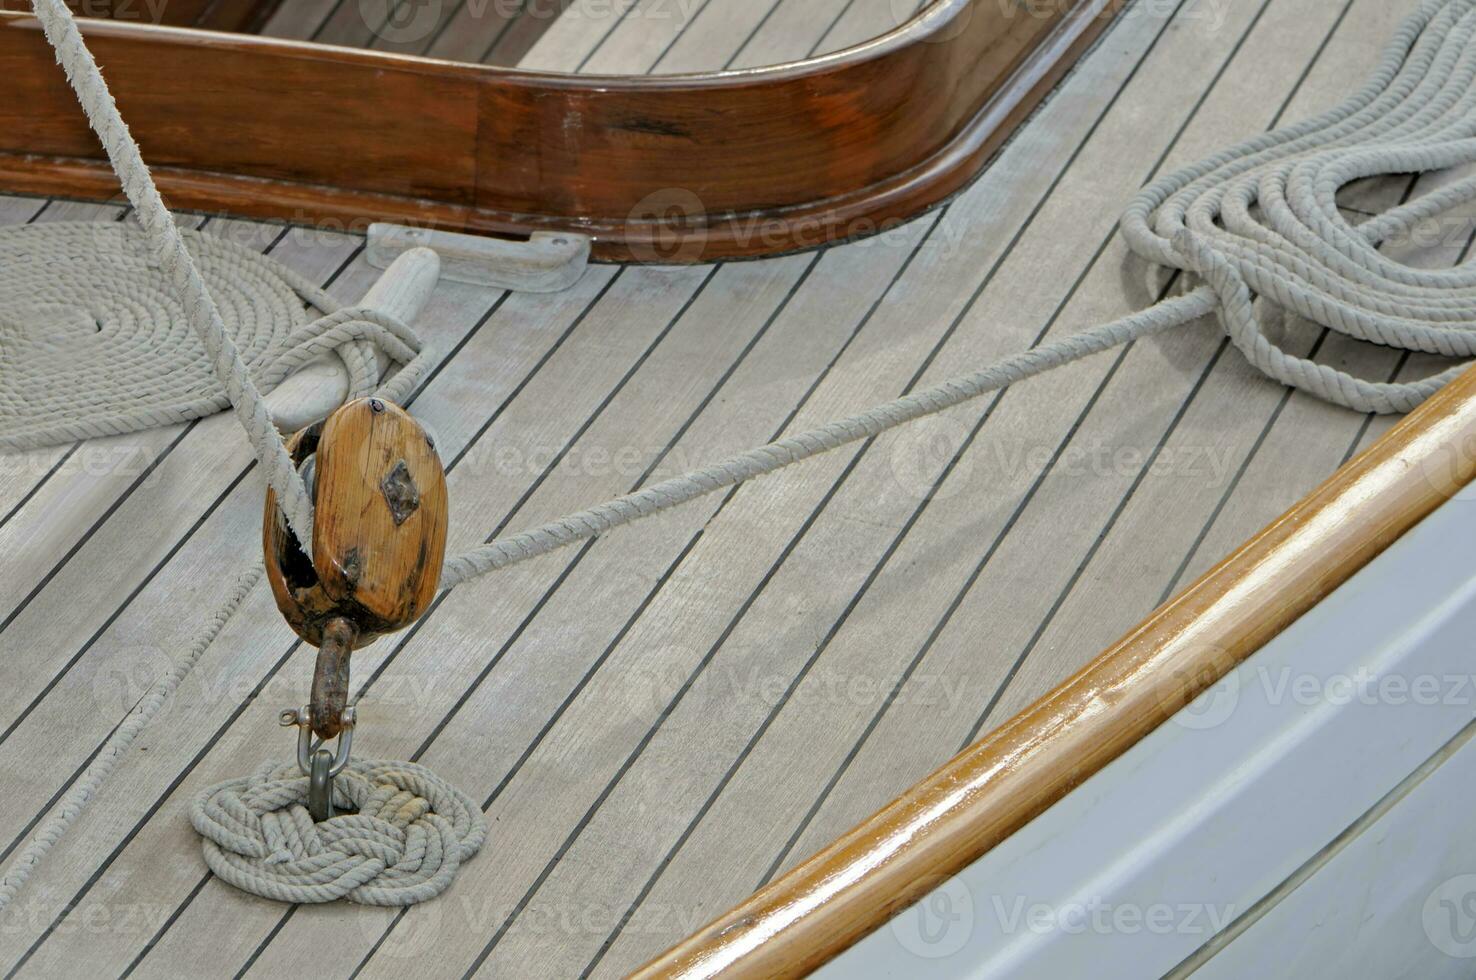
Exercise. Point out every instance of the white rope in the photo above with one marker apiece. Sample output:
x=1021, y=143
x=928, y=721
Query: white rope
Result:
x=82, y=791
x=1417, y=113
x=408, y=834
x=792, y=449
x=94, y=340
x=1298, y=253
x=1257, y=223
x=173, y=259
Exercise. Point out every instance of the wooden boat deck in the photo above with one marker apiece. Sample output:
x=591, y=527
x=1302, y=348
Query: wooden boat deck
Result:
x=661, y=721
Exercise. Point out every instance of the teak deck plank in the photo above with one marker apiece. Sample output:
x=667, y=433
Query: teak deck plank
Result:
x=23, y=473
x=119, y=533
x=89, y=509
x=1127, y=557
x=660, y=721
x=570, y=495
x=638, y=307
x=298, y=20
x=215, y=544
x=464, y=35
x=810, y=738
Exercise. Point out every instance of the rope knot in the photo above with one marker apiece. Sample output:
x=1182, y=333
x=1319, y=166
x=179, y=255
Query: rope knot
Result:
x=408, y=833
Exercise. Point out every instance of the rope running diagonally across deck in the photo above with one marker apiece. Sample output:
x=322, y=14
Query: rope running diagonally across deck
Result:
x=1257, y=224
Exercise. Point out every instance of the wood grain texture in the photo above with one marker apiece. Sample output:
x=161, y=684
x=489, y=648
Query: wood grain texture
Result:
x=136, y=856
x=670, y=169
x=379, y=526
x=1088, y=560
x=1001, y=782
x=379, y=536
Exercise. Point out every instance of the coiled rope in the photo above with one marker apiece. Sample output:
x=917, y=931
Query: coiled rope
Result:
x=402, y=844
x=94, y=340
x=1257, y=223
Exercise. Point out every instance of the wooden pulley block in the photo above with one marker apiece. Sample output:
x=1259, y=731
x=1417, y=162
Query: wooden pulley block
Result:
x=379, y=539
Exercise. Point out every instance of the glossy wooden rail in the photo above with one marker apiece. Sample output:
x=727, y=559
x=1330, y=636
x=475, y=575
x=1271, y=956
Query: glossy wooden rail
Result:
x=997, y=785
x=669, y=169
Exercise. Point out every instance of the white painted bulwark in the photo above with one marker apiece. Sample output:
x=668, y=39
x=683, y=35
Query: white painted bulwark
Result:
x=1398, y=900
x=1307, y=816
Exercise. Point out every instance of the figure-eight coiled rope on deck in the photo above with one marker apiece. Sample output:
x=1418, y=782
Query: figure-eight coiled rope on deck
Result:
x=1257, y=224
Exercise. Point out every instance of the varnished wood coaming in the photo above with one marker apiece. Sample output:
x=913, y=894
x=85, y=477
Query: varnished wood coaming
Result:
x=670, y=169
x=997, y=785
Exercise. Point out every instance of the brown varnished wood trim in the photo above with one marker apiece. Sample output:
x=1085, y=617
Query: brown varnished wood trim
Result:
x=662, y=169
x=1000, y=783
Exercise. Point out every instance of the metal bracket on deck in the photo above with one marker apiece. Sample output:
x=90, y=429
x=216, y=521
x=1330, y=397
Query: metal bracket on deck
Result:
x=316, y=762
x=546, y=263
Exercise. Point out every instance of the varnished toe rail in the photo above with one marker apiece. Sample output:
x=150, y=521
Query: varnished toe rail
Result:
x=1000, y=783
x=672, y=169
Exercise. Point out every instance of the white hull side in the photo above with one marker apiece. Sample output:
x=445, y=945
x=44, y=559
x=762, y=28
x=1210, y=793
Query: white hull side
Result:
x=1282, y=825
